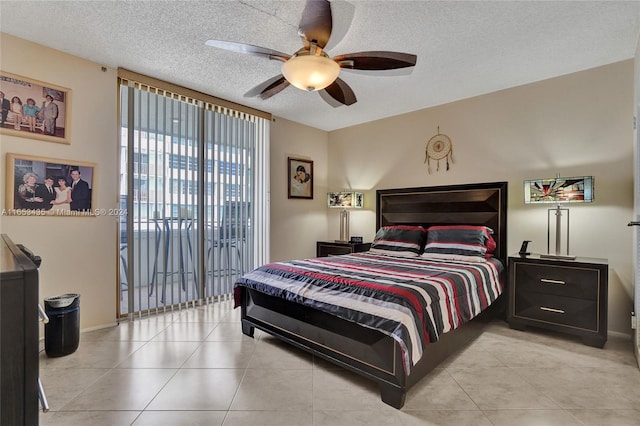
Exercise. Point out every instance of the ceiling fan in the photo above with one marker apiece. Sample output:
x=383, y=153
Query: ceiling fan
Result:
x=310, y=68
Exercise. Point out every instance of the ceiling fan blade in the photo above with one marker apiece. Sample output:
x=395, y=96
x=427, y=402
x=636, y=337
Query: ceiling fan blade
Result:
x=341, y=92
x=316, y=23
x=376, y=60
x=342, y=12
x=248, y=49
x=268, y=88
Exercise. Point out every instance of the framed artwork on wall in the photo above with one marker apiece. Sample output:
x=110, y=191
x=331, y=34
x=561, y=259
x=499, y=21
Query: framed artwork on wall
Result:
x=38, y=186
x=300, y=173
x=34, y=109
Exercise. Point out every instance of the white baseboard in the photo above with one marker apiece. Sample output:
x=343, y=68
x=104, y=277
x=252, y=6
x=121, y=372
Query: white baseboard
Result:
x=99, y=327
x=84, y=330
x=619, y=334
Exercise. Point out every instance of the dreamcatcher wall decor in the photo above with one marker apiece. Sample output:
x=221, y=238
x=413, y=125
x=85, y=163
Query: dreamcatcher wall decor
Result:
x=439, y=147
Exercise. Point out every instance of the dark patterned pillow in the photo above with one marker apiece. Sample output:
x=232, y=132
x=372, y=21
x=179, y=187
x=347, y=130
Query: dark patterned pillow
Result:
x=491, y=245
x=401, y=240
x=491, y=248
x=459, y=240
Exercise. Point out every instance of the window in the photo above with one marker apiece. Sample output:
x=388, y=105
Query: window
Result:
x=188, y=170
x=229, y=168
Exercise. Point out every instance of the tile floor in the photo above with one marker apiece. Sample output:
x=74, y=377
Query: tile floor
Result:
x=194, y=367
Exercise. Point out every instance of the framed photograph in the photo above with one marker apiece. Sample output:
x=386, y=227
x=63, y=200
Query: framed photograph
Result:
x=38, y=186
x=300, y=178
x=34, y=109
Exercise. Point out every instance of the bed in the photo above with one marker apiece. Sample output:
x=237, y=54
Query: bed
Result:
x=392, y=357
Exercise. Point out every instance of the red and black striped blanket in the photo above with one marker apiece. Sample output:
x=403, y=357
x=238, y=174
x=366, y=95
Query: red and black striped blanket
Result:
x=413, y=300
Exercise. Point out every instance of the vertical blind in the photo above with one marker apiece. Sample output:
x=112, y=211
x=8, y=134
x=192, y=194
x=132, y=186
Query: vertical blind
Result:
x=194, y=182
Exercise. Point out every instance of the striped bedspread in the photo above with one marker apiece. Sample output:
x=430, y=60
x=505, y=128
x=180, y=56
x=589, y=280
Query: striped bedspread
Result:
x=413, y=300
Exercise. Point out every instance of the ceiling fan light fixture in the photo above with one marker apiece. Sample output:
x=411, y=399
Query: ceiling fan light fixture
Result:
x=310, y=68
x=310, y=72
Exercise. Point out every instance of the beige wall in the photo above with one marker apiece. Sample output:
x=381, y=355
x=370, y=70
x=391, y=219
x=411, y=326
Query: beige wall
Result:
x=296, y=224
x=579, y=124
x=78, y=254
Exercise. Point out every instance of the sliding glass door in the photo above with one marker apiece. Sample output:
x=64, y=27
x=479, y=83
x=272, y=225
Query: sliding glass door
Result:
x=188, y=172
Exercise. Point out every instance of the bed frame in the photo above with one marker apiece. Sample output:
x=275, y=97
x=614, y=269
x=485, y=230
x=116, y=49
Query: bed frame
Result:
x=369, y=352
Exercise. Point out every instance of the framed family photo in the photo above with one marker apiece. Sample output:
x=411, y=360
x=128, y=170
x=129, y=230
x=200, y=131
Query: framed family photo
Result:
x=34, y=109
x=38, y=186
x=300, y=178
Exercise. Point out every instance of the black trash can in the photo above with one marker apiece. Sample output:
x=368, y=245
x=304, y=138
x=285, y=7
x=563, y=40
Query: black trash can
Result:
x=62, y=332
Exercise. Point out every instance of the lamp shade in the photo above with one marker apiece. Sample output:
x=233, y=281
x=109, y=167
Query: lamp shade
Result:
x=310, y=72
x=559, y=190
x=345, y=200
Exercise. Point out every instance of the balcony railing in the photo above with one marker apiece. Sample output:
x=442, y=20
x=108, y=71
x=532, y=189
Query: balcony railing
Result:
x=171, y=264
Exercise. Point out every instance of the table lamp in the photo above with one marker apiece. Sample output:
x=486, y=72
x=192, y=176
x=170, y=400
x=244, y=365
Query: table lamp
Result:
x=345, y=200
x=558, y=190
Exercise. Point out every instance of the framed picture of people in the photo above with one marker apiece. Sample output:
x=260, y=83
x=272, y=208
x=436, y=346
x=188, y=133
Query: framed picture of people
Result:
x=300, y=178
x=34, y=109
x=38, y=186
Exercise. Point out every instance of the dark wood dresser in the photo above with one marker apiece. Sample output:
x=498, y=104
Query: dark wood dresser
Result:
x=332, y=248
x=569, y=296
x=19, y=324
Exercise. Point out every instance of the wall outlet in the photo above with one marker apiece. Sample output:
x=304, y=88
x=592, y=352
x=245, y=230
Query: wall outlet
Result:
x=634, y=321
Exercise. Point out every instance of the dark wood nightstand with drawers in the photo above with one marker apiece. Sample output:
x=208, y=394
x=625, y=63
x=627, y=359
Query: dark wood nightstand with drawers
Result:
x=569, y=296
x=332, y=248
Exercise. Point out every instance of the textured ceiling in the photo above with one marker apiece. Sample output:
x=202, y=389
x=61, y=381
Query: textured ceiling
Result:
x=464, y=48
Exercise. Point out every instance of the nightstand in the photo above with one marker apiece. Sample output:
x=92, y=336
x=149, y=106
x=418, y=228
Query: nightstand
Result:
x=569, y=296
x=331, y=248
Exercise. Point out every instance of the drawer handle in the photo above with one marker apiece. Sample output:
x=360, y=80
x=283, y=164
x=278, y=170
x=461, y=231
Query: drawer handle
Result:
x=548, y=281
x=557, y=311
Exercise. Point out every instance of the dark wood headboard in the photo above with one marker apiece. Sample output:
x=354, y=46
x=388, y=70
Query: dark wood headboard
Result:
x=468, y=204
